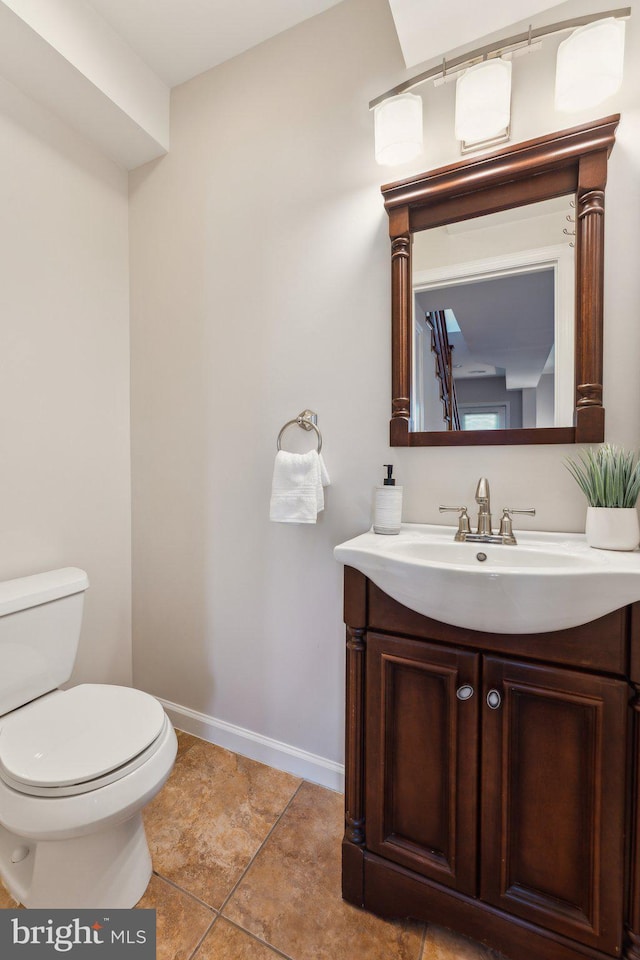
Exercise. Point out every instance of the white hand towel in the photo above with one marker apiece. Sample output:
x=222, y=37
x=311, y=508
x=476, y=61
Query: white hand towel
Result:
x=322, y=480
x=296, y=491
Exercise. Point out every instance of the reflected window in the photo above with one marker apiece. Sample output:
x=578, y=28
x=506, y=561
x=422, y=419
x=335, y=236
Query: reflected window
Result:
x=484, y=418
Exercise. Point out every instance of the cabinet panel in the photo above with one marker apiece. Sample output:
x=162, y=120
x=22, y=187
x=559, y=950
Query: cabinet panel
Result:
x=421, y=758
x=553, y=779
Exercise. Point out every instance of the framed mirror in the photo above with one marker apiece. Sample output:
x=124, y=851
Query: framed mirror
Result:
x=497, y=295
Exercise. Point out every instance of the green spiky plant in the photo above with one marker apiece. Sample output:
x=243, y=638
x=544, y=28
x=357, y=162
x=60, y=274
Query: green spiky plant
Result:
x=608, y=476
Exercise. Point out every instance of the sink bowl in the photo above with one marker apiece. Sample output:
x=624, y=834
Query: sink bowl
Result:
x=548, y=581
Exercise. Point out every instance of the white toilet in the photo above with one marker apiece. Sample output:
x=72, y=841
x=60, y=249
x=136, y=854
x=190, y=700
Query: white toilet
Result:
x=76, y=766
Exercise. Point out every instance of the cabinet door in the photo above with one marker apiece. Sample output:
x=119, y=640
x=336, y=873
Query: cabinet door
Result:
x=421, y=758
x=553, y=786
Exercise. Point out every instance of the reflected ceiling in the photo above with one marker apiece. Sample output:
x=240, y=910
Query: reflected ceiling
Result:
x=506, y=326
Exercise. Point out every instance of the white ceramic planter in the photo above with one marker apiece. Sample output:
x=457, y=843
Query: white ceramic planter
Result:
x=612, y=528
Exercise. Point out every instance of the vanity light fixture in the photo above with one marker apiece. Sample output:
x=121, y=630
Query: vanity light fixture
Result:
x=483, y=101
x=480, y=105
x=398, y=129
x=589, y=65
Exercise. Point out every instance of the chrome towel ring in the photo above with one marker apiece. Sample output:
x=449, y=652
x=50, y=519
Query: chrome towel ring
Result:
x=307, y=420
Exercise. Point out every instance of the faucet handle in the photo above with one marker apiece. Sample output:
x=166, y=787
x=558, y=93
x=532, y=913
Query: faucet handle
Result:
x=464, y=524
x=506, y=527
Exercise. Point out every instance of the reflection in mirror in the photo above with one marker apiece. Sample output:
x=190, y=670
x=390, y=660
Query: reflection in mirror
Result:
x=493, y=321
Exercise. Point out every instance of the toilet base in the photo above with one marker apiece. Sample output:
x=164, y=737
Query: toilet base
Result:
x=107, y=869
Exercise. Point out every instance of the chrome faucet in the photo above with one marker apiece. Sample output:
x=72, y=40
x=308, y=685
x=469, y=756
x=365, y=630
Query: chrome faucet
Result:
x=484, y=532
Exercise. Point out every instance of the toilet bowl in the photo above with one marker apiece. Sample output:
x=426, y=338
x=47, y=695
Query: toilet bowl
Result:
x=77, y=766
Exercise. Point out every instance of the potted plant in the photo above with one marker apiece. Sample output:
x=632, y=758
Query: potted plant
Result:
x=609, y=477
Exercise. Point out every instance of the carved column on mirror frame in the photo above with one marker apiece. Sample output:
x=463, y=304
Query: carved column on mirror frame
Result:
x=354, y=759
x=590, y=287
x=631, y=949
x=401, y=323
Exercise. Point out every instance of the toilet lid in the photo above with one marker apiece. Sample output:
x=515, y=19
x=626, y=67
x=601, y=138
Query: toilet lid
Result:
x=78, y=735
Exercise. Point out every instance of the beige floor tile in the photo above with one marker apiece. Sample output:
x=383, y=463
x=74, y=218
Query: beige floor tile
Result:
x=6, y=900
x=185, y=742
x=210, y=818
x=181, y=921
x=441, y=944
x=226, y=942
x=290, y=897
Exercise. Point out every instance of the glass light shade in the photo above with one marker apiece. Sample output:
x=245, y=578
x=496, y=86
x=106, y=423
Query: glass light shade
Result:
x=483, y=101
x=398, y=129
x=589, y=65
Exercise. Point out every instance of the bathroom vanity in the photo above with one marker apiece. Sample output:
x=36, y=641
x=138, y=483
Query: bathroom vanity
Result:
x=493, y=689
x=492, y=778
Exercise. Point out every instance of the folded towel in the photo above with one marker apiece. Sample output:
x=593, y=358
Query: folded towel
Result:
x=296, y=491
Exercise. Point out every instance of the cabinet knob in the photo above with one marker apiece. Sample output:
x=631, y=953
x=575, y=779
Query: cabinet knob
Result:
x=465, y=692
x=493, y=699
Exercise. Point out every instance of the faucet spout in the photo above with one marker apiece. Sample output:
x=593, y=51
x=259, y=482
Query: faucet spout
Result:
x=482, y=490
x=483, y=499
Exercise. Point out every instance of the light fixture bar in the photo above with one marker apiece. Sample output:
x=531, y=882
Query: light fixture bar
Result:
x=504, y=46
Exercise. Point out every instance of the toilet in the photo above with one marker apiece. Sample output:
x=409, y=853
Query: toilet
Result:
x=77, y=766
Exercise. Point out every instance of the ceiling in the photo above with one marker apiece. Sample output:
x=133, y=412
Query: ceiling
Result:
x=428, y=29
x=106, y=66
x=179, y=39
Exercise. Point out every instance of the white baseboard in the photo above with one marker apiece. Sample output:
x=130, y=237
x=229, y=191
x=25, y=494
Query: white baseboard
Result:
x=276, y=754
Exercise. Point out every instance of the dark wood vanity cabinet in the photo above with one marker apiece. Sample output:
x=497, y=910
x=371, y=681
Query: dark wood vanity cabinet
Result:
x=421, y=758
x=491, y=780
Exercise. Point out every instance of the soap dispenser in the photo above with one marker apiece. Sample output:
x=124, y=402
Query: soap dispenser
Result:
x=387, y=510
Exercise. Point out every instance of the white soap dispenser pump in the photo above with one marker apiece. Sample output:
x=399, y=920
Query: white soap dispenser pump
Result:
x=387, y=510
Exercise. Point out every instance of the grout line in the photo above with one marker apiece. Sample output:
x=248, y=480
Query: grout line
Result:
x=202, y=938
x=191, y=896
x=217, y=914
x=423, y=942
x=256, y=854
x=254, y=936
x=188, y=893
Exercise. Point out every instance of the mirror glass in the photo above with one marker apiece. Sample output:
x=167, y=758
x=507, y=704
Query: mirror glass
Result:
x=494, y=321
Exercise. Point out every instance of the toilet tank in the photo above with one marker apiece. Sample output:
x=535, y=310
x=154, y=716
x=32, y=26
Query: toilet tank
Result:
x=40, y=618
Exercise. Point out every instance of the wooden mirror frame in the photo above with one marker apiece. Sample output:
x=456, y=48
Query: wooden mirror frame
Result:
x=569, y=162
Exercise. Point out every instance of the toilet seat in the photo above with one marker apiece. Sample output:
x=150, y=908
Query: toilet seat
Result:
x=78, y=740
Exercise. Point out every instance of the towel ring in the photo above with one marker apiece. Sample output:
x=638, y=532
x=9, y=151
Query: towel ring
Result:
x=305, y=421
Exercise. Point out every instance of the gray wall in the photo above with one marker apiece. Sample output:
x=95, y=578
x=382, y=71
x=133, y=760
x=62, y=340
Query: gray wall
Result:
x=65, y=489
x=260, y=286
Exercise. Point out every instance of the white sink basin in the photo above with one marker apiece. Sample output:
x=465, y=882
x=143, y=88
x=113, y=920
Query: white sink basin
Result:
x=548, y=581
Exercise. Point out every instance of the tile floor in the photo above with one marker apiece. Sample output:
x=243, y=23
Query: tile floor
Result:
x=247, y=867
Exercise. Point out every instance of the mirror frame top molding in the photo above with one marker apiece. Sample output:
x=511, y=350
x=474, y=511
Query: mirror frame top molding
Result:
x=567, y=162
